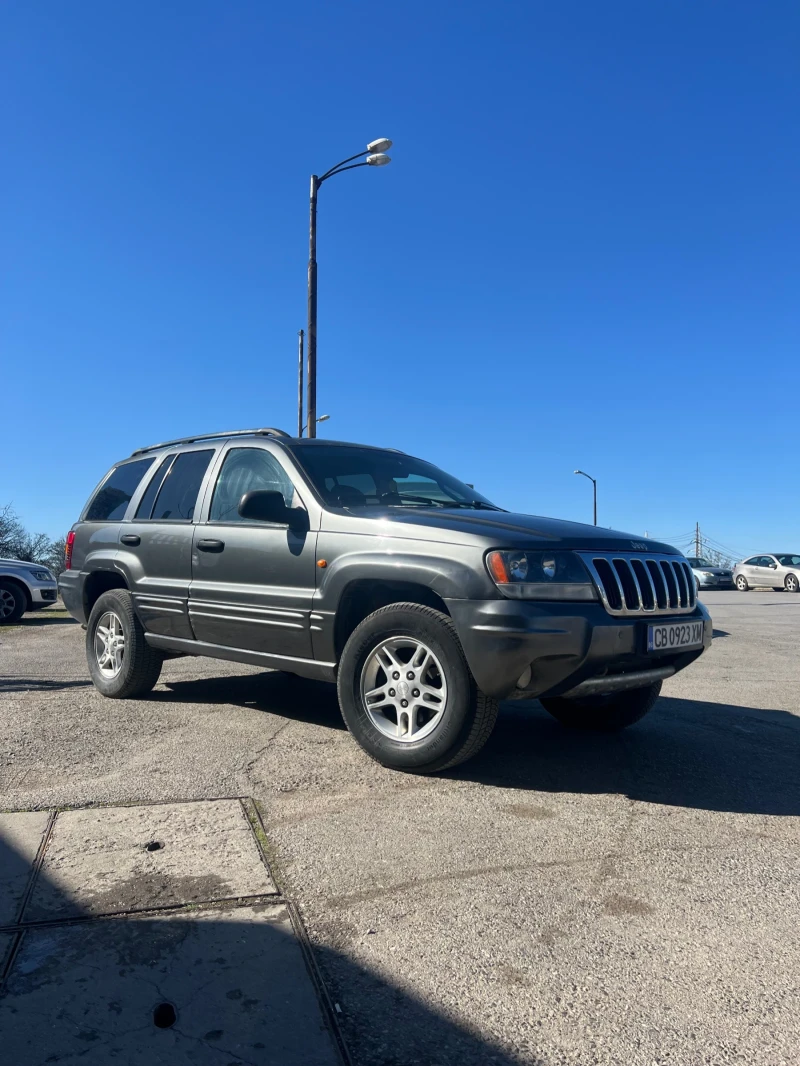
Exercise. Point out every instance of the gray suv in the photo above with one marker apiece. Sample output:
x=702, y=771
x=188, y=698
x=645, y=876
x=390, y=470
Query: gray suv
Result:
x=422, y=600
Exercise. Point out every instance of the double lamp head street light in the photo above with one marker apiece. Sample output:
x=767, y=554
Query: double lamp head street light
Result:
x=375, y=154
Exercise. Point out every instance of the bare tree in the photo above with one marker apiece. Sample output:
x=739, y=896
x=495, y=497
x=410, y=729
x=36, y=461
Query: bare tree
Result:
x=17, y=543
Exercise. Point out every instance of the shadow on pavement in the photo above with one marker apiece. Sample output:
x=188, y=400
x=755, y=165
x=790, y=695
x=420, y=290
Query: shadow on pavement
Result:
x=38, y=684
x=278, y=693
x=45, y=618
x=203, y=986
x=686, y=753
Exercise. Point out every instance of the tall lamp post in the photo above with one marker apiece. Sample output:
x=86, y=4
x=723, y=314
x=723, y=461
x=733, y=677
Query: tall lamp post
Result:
x=375, y=157
x=594, y=486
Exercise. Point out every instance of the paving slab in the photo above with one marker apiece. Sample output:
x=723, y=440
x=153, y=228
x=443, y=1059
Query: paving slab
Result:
x=98, y=862
x=98, y=992
x=21, y=834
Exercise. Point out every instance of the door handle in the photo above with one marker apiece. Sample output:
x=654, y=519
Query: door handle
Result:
x=210, y=545
x=130, y=538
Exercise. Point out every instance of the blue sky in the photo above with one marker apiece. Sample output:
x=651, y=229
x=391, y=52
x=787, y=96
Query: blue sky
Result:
x=584, y=253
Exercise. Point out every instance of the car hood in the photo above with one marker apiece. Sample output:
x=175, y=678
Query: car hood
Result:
x=716, y=570
x=506, y=529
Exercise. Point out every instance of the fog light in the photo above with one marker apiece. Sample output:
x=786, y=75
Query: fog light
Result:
x=524, y=678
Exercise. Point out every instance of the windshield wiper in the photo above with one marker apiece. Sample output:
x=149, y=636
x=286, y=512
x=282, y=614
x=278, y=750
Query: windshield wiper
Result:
x=419, y=499
x=478, y=505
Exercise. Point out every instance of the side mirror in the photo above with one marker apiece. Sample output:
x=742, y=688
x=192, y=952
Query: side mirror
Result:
x=265, y=506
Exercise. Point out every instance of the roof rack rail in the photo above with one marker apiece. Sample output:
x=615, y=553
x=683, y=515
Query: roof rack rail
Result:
x=266, y=431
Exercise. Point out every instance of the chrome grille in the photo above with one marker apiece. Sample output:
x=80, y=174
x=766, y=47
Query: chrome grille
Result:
x=631, y=583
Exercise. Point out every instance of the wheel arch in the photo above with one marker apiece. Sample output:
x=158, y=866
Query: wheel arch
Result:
x=98, y=582
x=362, y=596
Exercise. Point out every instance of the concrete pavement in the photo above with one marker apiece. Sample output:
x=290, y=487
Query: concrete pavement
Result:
x=560, y=899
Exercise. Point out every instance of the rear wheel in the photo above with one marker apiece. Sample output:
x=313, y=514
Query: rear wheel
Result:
x=741, y=583
x=13, y=602
x=791, y=584
x=608, y=713
x=407, y=694
x=121, y=662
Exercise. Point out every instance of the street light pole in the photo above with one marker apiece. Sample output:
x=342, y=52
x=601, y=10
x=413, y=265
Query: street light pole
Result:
x=311, y=400
x=594, y=486
x=376, y=157
x=300, y=336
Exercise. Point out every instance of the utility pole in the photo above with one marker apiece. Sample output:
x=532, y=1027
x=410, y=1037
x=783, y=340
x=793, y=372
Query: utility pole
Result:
x=697, y=540
x=300, y=336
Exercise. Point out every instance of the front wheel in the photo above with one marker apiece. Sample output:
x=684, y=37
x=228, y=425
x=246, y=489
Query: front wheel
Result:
x=741, y=583
x=605, y=713
x=13, y=602
x=121, y=662
x=406, y=692
x=791, y=584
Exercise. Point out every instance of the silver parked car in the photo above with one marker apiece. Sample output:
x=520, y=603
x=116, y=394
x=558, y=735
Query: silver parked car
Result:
x=24, y=587
x=709, y=576
x=780, y=571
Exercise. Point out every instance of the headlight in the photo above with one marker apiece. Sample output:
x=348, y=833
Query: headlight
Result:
x=41, y=575
x=706, y=573
x=540, y=575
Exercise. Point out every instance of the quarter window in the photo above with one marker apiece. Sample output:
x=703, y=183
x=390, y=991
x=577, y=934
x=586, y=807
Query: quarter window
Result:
x=177, y=497
x=145, y=508
x=111, y=500
x=247, y=470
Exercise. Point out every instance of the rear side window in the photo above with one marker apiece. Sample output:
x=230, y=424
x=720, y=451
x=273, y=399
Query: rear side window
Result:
x=111, y=500
x=177, y=497
x=145, y=508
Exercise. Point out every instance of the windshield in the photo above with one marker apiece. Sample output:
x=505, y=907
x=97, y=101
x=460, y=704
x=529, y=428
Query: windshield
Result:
x=788, y=560
x=368, y=477
x=695, y=561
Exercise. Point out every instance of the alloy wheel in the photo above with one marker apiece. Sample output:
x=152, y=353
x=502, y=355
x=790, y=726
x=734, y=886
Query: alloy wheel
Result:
x=403, y=689
x=7, y=604
x=791, y=583
x=109, y=644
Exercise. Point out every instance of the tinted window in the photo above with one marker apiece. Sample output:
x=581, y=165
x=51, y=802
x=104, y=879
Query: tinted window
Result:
x=178, y=496
x=247, y=470
x=752, y=562
x=112, y=499
x=146, y=503
x=789, y=560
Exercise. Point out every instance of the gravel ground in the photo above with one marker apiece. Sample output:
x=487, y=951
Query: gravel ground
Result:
x=559, y=899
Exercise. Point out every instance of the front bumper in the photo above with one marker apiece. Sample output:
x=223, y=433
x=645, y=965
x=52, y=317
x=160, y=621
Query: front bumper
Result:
x=564, y=644
x=43, y=594
x=715, y=582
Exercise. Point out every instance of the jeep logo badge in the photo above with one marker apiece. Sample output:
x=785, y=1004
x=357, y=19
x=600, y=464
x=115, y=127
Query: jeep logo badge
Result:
x=638, y=546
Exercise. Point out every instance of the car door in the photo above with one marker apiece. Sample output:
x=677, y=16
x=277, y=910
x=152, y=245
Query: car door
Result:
x=771, y=571
x=155, y=546
x=751, y=570
x=252, y=581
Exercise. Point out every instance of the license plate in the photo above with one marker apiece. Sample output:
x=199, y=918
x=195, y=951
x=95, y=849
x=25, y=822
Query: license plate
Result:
x=674, y=636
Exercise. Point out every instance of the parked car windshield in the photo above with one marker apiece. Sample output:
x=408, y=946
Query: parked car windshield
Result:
x=695, y=562
x=363, y=477
x=789, y=560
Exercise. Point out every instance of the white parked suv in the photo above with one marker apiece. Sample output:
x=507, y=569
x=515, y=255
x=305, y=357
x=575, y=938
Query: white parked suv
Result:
x=24, y=587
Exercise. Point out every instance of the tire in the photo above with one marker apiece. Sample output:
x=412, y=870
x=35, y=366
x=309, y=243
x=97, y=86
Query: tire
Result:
x=741, y=583
x=791, y=584
x=13, y=602
x=136, y=669
x=606, y=714
x=453, y=718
